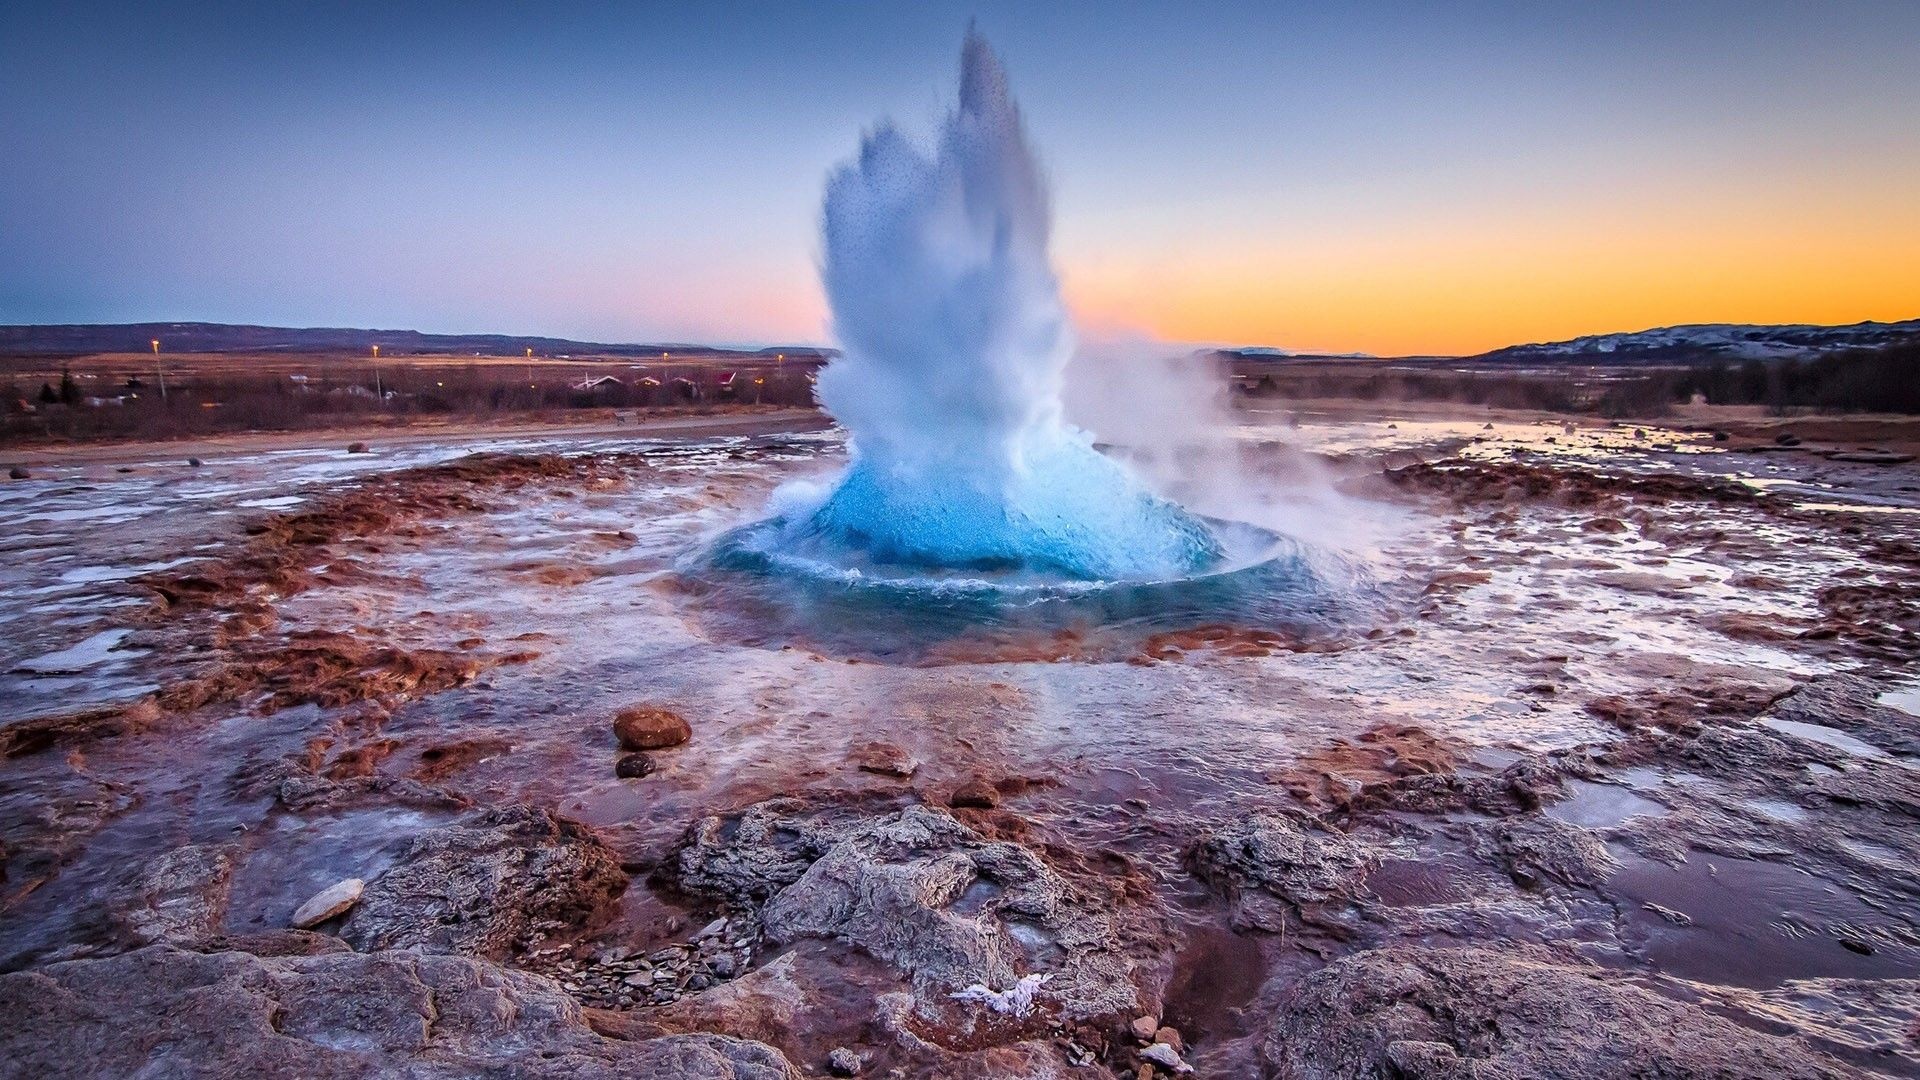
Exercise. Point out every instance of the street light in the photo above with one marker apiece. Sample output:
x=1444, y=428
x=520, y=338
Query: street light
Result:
x=159, y=372
x=376, y=351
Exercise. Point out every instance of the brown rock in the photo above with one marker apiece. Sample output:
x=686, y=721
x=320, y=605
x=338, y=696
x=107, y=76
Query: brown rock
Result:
x=1143, y=1027
x=648, y=727
x=883, y=759
x=357, y=448
x=976, y=793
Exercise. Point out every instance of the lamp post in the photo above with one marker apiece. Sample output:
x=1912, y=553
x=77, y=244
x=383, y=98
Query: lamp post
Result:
x=159, y=373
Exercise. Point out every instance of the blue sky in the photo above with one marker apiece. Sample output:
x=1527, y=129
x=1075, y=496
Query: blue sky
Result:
x=1366, y=176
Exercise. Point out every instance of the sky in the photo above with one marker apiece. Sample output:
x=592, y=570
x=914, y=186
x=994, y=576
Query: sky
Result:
x=1394, y=178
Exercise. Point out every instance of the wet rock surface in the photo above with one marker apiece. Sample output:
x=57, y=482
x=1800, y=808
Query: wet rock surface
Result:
x=1470, y=1012
x=1628, y=787
x=492, y=885
x=1289, y=858
x=942, y=905
x=165, y=1012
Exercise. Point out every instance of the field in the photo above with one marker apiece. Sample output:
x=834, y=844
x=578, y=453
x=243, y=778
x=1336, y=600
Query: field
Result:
x=137, y=396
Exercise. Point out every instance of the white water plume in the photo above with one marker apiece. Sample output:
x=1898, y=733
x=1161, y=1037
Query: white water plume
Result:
x=954, y=341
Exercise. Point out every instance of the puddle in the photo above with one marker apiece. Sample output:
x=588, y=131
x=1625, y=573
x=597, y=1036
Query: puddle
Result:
x=1760, y=924
x=1601, y=806
x=1215, y=975
x=1906, y=698
x=96, y=651
x=304, y=857
x=1824, y=735
x=1780, y=810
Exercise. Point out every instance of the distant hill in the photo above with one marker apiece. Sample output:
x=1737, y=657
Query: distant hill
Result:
x=80, y=339
x=1704, y=342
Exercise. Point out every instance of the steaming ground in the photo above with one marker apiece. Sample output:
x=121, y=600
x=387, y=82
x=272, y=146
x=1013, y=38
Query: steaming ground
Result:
x=1639, y=724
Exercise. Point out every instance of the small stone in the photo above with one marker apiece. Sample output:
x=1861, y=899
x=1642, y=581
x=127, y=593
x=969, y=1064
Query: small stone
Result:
x=724, y=966
x=975, y=793
x=634, y=766
x=1144, y=1027
x=1721, y=436
x=1145, y=1073
x=717, y=926
x=19, y=473
x=1170, y=1037
x=1678, y=918
x=1166, y=1057
x=195, y=462
x=358, y=448
x=844, y=1062
x=647, y=727
x=1786, y=439
x=328, y=902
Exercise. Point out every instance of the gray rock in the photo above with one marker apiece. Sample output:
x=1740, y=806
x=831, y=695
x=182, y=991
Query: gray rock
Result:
x=327, y=903
x=1271, y=863
x=1535, y=848
x=164, y=1012
x=1851, y=704
x=942, y=905
x=491, y=885
x=1459, y=1014
x=181, y=895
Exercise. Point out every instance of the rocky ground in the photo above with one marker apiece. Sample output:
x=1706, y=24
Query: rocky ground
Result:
x=447, y=770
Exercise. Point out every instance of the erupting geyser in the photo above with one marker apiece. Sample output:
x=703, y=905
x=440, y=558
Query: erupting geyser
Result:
x=953, y=341
x=969, y=500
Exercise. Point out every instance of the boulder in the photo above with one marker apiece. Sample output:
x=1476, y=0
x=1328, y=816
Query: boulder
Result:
x=161, y=1011
x=490, y=885
x=647, y=727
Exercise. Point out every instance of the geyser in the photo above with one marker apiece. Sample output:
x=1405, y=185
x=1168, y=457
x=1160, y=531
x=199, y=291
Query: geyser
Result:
x=969, y=503
x=953, y=343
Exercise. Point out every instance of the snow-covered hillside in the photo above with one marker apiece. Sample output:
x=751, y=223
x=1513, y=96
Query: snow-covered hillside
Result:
x=1707, y=341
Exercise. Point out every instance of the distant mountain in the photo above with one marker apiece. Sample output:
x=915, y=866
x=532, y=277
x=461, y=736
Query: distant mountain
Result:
x=78, y=339
x=1266, y=352
x=1702, y=342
